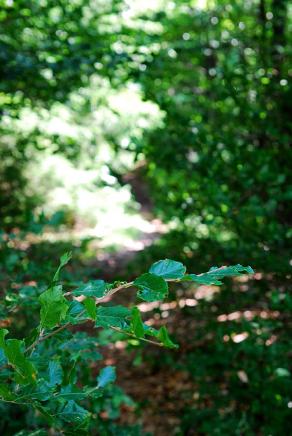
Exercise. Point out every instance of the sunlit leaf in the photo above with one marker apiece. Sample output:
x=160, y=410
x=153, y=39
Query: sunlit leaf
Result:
x=215, y=274
x=95, y=288
x=168, y=269
x=54, y=307
x=107, y=375
x=137, y=323
x=164, y=338
x=63, y=262
x=90, y=306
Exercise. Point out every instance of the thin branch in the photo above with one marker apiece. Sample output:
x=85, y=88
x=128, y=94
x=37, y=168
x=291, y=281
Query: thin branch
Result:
x=111, y=292
x=53, y=333
x=116, y=329
x=43, y=338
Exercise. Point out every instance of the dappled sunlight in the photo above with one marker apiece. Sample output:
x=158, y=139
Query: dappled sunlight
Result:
x=239, y=337
x=206, y=292
x=145, y=228
x=165, y=307
x=249, y=315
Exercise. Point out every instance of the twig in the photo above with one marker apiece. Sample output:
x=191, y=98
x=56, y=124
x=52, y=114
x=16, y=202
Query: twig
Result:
x=111, y=292
x=43, y=338
x=116, y=329
x=54, y=332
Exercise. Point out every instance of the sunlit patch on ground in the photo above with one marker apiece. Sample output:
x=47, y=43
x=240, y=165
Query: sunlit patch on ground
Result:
x=249, y=315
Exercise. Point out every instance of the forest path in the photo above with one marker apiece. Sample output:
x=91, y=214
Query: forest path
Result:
x=144, y=372
x=114, y=265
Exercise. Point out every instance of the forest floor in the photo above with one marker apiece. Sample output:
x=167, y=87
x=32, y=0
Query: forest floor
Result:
x=160, y=391
x=233, y=340
x=206, y=382
x=151, y=376
x=156, y=379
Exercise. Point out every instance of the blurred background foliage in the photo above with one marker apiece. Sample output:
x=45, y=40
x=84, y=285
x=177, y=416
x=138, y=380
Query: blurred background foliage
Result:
x=138, y=130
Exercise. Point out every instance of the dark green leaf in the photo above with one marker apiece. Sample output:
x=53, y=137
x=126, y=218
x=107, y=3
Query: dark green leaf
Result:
x=75, y=308
x=26, y=372
x=55, y=373
x=33, y=433
x=3, y=333
x=115, y=316
x=5, y=393
x=82, y=346
x=42, y=391
x=45, y=413
x=74, y=413
x=70, y=392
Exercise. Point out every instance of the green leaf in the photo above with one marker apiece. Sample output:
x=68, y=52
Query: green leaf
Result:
x=63, y=261
x=82, y=346
x=5, y=393
x=75, y=312
x=55, y=373
x=25, y=370
x=42, y=392
x=70, y=392
x=90, y=306
x=215, y=274
x=151, y=287
x=107, y=375
x=54, y=307
x=137, y=323
x=74, y=413
x=3, y=333
x=45, y=413
x=168, y=269
x=95, y=288
x=2, y=357
x=115, y=316
x=165, y=339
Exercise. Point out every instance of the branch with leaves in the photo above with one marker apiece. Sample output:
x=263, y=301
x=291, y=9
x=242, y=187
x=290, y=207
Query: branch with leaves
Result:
x=35, y=370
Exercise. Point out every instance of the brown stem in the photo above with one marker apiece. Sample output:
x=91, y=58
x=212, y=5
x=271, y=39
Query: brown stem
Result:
x=98, y=300
x=116, y=329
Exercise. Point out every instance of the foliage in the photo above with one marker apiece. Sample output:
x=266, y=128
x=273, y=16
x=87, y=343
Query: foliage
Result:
x=185, y=106
x=43, y=370
x=60, y=112
x=239, y=362
x=219, y=166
